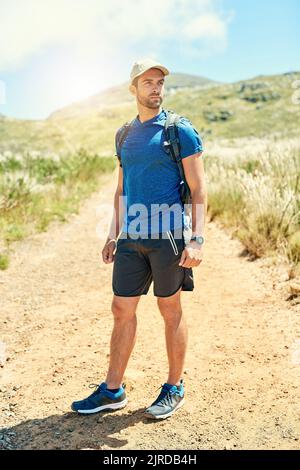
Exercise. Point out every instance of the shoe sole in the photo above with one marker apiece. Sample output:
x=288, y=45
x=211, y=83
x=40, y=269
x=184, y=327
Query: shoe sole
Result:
x=151, y=416
x=111, y=406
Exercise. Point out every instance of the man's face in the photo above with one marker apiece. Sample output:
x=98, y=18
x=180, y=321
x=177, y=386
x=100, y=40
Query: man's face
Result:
x=150, y=88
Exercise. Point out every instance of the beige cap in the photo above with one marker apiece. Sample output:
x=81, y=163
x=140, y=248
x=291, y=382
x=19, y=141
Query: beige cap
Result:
x=142, y=65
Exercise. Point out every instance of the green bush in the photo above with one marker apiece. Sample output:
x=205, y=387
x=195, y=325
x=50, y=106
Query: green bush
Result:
x=36, y=189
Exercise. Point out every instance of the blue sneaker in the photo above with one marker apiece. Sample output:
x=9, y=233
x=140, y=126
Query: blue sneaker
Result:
x=170, y=399
x=101, y=399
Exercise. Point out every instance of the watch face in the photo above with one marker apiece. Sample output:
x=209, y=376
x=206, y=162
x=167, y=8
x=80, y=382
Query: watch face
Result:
x=199, y=239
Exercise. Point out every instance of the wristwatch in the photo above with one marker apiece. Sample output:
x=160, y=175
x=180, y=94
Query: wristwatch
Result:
x=199, y=239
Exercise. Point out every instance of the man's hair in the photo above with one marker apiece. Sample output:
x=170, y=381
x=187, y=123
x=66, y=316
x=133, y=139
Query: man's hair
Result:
x=135, y=82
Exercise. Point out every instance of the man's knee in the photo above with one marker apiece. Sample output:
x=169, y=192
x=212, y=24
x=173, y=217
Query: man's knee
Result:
x=124, y=308
x=170, y=307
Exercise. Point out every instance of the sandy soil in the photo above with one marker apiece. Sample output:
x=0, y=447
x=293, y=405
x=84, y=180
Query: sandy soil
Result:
x=242, y=367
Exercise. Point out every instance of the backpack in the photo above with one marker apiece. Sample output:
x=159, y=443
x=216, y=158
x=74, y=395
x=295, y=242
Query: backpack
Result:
x=171, y=146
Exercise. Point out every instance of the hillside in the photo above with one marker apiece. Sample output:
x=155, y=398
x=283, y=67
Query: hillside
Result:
x=261, y=106
x=118, y=95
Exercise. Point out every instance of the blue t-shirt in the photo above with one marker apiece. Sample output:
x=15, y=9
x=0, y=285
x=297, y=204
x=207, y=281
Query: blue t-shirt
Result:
x=151, y=179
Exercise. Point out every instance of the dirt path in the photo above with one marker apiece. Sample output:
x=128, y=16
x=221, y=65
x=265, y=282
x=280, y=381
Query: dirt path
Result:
x=242, y=367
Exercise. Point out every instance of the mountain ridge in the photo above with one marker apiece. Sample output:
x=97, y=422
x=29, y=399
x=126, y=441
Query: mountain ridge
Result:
x=119, y=94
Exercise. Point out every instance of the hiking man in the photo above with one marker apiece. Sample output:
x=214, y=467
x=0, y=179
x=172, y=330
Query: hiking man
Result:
x=149, y=177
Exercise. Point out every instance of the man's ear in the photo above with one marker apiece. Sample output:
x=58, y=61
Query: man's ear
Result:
x=132, y=89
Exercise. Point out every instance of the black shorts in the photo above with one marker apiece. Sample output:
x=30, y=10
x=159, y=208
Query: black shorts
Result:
x=140, y=261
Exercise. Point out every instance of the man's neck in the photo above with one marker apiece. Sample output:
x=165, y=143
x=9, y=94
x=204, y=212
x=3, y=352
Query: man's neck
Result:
x=146, y=113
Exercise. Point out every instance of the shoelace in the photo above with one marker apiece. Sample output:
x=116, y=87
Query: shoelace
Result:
x=171, y=390
x=97, y=386
x=94, y=385
x=165, y=396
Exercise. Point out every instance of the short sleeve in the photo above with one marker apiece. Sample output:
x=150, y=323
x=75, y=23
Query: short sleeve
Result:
x=117, y=147
x=190, y=140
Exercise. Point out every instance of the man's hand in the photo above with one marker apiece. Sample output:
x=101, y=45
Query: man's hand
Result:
x=192, y=255
x=108, y=250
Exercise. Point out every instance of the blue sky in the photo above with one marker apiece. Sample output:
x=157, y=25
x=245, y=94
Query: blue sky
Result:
x=55, y=52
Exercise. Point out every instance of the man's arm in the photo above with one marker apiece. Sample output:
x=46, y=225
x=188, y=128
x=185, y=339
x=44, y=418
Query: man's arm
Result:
x=195, y=178
x=117, y=218
x=116, y=223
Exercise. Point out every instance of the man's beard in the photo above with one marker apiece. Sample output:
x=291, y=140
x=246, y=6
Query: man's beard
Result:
x=150, y=102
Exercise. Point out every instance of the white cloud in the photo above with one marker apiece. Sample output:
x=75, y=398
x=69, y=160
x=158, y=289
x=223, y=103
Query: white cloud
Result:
x=207, y=26
x=107, y=27
x=210, y=31
x=28, y=27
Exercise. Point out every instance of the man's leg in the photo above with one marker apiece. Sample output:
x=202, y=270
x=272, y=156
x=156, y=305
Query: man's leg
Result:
x=122, y=339
x=121, y=345
x=176, y=334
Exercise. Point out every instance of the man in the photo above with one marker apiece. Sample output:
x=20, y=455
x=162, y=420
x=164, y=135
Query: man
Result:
x=149, y=177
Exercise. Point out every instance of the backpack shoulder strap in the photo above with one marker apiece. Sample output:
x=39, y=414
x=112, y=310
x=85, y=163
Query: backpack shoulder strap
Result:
x=120, y=137
x=172, y=144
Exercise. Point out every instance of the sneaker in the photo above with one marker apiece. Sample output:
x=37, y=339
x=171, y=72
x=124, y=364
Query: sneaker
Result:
x=101, y=399
x=170, y=399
